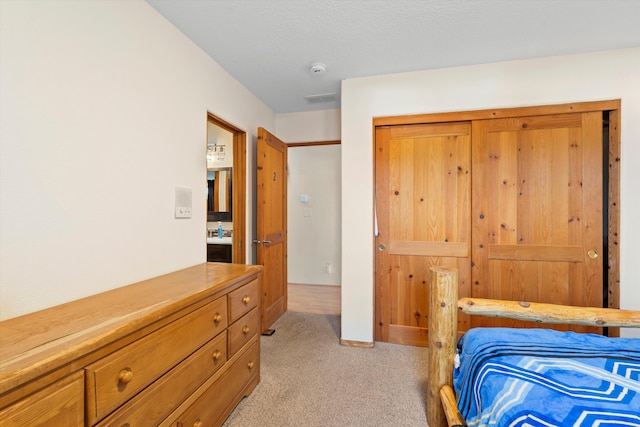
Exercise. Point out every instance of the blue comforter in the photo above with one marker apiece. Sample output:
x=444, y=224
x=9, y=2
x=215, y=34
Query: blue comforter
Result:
x=540, y=377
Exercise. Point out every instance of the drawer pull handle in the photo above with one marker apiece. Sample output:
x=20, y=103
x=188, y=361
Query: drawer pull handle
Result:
x=246, y=330
x=216, y=355
x=217, y=318
x=246, y=299
x=198, y=423
x=250, y=365
x=125, y=376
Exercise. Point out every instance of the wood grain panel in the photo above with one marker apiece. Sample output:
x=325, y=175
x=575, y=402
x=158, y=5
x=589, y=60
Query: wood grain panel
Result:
x=60, y=404
x=614, y=212
x=105, y=388
x=529, y=172
x=498, y=113
x=423, y=178
x=446, y=249
x=537, y=253
x=243, y=299
x=243, y=330
x=436, y=129
x=592, y=216
x=171, y=389
x=317, y=299
x=537, y=210
x=535, y=122
x=212, y=407
x=271, y=227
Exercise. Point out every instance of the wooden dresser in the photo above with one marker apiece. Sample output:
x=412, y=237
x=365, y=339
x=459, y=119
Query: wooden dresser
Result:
x=177, y=350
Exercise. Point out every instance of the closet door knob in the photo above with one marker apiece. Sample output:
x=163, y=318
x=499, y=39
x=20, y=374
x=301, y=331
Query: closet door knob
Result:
x=593, y=254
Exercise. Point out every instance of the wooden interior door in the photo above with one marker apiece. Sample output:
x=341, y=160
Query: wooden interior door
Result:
x=423, y=190
x=537, y=216
x=272, y=225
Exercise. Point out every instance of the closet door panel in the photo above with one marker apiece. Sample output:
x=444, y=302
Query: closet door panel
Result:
x=423, y=197
x=537, y=219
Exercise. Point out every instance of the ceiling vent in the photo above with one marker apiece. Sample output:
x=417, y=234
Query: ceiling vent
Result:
x=318, y=99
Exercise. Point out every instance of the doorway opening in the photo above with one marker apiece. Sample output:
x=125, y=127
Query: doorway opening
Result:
x=228, y=164
x=314, y=204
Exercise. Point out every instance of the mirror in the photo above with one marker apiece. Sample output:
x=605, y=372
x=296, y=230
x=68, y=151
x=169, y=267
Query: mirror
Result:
x=219, y=195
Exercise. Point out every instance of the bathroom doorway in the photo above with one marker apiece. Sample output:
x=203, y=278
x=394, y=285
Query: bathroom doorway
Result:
x=226, y=158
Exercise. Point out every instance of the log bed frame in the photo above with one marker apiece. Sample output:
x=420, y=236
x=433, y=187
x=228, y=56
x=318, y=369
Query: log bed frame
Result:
x=442, y=408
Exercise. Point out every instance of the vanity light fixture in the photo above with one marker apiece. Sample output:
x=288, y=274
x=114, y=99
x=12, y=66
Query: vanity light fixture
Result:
x=215, y=152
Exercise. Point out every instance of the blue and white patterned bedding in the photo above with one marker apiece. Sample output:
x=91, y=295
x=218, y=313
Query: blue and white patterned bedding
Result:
x=541, y=377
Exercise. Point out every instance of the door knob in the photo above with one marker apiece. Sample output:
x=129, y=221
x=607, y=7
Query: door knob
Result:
x=381, y=247
x=593, y=254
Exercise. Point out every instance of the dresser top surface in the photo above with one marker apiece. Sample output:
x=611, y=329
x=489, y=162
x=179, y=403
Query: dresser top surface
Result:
x=39, y=342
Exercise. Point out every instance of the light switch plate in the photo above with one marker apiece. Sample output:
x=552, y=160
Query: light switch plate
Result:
x=183, y=212
x=183, y=203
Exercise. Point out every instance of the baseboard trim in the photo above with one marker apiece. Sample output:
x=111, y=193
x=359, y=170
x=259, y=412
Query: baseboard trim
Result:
x=359, y=344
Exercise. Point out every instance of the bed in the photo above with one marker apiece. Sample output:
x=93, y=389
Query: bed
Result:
x=528, y=377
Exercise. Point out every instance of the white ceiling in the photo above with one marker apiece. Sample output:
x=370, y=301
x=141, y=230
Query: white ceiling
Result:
x=269, y=45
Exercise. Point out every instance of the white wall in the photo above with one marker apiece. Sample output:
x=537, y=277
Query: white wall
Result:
x=572, y=78
x=309, y=126
x=104, y=111
x=314, y=227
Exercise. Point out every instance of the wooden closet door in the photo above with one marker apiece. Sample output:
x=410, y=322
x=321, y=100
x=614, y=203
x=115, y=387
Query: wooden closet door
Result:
x=422, y=186
x=538, y=211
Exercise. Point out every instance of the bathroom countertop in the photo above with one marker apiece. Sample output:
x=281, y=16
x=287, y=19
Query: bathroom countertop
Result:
x=219, y=241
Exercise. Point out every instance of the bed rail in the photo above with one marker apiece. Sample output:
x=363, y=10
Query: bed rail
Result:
x=443, y=333
x=551, y=313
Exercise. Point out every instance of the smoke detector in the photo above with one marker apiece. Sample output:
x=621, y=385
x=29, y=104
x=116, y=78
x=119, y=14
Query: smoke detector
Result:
x=318, y=68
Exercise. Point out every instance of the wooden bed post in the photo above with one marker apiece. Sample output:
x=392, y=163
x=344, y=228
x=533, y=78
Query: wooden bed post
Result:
x=443, y=334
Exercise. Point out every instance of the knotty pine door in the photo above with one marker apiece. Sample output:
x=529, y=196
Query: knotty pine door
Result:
x=537, y=215
x=423, y=190
x=271, y=225
x=514, y=203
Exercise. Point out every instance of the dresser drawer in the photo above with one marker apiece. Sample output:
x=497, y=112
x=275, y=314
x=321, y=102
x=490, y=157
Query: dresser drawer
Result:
x=242, y=300
x=60, y=404
x=115, y=378
x=243, y=330
x=213, y=406
x=152, y=405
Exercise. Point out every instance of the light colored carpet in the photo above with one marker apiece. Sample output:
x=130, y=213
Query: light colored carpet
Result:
x=309, y=379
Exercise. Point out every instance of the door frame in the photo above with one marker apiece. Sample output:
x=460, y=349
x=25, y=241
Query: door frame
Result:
x=239, y=179
x=611, y=223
